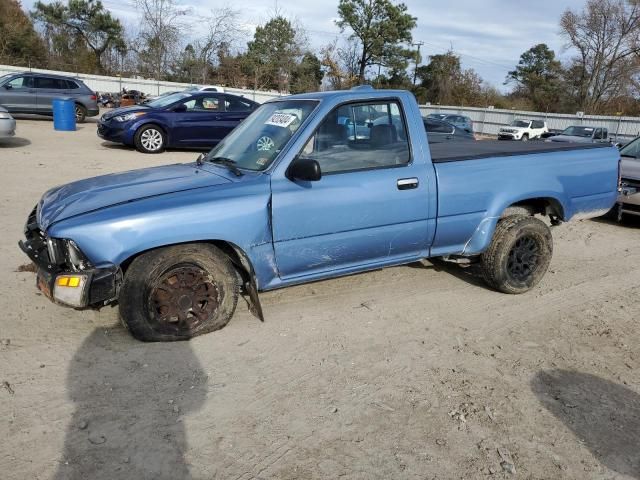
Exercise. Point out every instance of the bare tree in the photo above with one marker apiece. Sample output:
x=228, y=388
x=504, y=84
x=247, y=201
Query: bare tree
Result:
x=224, y=30
x=606, y=36
x=341, y=63
x=160, y=34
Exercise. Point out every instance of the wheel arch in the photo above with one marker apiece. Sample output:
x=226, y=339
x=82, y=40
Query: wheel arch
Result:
x=155, y=123
x=550, y=206
x=238, y=257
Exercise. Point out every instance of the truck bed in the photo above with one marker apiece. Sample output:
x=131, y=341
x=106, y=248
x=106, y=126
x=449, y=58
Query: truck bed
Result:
x=458, y=151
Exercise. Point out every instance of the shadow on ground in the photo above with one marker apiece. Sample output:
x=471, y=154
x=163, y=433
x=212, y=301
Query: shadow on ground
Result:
x=470, y=273
x=603, y=415
x=129, y=399
x=14, y=142
x=628, y=221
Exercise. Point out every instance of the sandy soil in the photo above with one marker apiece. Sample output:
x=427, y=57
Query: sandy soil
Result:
x=412, y=372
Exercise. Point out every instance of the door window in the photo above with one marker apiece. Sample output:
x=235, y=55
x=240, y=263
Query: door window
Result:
x=204, y=104
x=358, y=137
x=51, y=83
x=237, y=105
x=21, y=82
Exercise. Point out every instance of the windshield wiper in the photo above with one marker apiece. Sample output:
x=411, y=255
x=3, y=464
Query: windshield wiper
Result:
x=227, y=162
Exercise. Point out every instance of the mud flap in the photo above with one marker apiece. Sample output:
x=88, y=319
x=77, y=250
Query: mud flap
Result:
x=254, y=301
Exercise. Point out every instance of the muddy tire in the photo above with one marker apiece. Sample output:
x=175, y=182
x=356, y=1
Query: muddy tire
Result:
x=179, y=292
x=150, y=139
x=519, y=254
x=81, y=113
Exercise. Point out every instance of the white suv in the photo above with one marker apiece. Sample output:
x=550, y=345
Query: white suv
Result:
x=523, y=130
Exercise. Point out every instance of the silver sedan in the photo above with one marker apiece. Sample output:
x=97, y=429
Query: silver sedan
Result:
x=7, y=124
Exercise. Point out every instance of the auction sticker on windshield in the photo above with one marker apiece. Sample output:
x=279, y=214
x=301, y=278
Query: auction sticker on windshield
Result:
x=280, y=119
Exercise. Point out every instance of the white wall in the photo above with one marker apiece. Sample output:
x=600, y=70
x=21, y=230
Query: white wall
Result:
x=101, y=83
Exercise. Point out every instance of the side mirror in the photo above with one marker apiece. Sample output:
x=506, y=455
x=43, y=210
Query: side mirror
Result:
x=180, y=108
x=305, y=169
x=7, y=86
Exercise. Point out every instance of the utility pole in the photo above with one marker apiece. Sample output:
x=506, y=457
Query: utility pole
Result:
x=415, y=71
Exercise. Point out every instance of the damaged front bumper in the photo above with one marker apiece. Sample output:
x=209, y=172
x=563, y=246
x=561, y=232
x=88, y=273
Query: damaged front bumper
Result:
x=629, y=198
x=67, y=277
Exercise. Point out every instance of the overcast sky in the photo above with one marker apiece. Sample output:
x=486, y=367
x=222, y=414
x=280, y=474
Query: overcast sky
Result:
x=489, y=35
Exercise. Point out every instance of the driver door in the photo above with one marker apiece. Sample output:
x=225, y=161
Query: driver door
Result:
x=370, y=206
x=200, y=122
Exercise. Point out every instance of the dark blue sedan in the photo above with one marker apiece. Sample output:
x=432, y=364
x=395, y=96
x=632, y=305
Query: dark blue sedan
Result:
x=179, y=120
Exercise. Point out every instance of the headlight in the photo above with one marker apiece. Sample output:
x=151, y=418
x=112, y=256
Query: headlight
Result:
x=66, y=252
x=128, y=116
x=5, y=116
x=55, y=249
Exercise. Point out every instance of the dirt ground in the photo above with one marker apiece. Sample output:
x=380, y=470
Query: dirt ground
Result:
x=416, y=372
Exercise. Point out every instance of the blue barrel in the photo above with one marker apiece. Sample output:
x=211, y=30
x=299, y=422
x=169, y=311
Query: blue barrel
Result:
x=64, y=114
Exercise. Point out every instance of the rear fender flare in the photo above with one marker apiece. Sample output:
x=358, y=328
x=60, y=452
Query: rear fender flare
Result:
x=483, y=234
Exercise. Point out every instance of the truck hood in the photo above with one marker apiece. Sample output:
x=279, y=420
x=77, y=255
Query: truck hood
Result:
x=630, y=168
x=570, y=138
x=95, y=193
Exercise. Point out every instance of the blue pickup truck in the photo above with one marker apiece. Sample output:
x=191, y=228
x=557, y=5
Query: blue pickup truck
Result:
x=292, y=196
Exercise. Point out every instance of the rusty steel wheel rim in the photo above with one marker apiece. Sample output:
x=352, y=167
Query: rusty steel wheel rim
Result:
x=183, y=299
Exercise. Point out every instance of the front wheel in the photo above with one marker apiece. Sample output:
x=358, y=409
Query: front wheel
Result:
x=150, y=139
x=525, y=138
x=519, y=254
x=179, y=292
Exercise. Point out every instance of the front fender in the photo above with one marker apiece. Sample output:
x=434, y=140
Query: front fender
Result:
x=233, y=213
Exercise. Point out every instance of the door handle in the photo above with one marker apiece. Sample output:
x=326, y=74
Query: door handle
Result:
x=407, y=183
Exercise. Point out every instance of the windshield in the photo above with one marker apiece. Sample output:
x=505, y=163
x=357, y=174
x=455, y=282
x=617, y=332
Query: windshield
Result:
x=520, y=123
x=257, y=141
x=579, y=132
x=631, y=149
x=438, y=116
x=161, y=102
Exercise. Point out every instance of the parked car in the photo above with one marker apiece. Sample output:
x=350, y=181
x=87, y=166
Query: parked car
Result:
x=34, y=93
x=629, y=198
x=439, y=131
x=459, y=121
x=204, y=88
x=7, y=124
x=172, y=244
x=183, y=120
x=523, y=130
x=580, y=134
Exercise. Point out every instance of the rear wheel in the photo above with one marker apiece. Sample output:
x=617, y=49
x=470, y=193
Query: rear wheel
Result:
x=519, y=254
x=150, y=139
x=81, y=113
x=179, y=292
